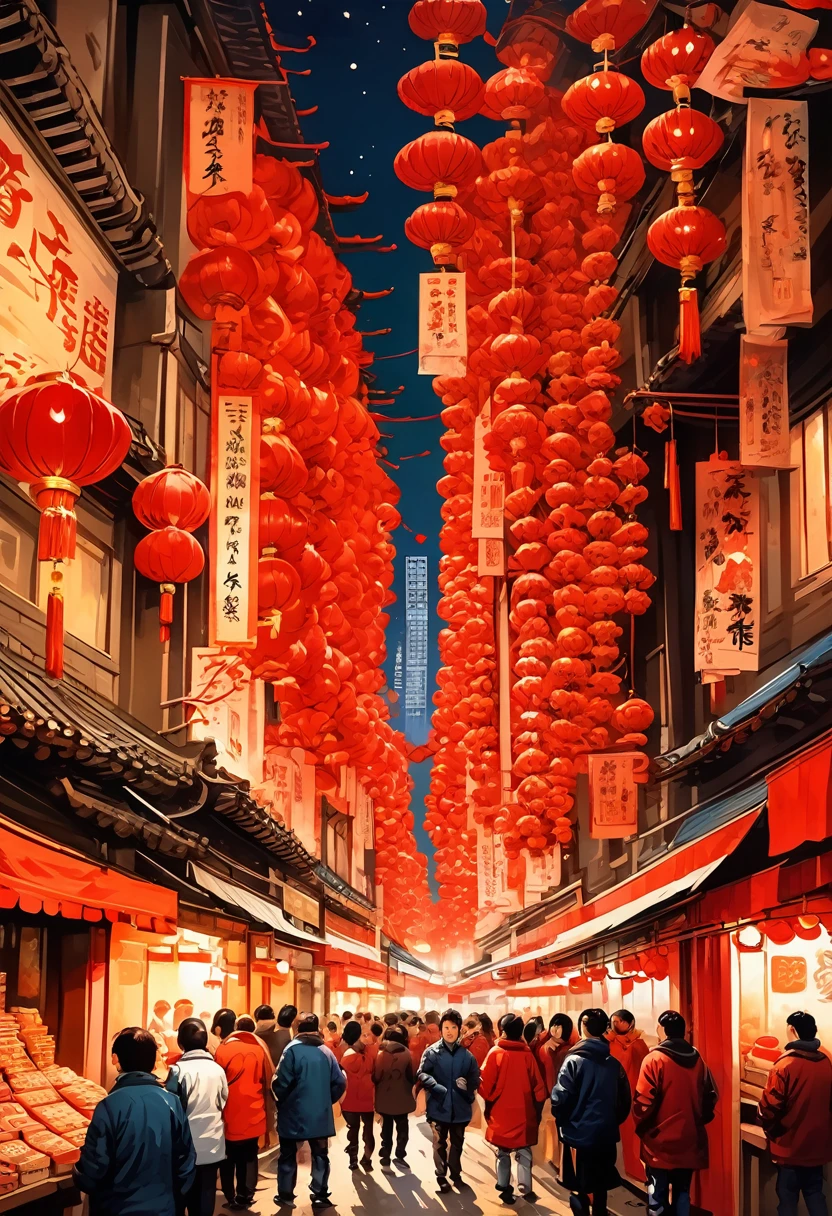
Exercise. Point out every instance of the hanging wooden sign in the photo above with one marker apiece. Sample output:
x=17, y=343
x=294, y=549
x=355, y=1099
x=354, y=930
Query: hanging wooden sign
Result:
x=764, y=403
x=443, y=325
x=727, y=606
x=777, y=287
x=235, y=493
x=488, y=516
x=491, y=558
x=219, y=135
x=614, y=778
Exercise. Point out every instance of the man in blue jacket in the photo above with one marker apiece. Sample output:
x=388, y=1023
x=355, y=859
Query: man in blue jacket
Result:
x=306, y=1086
x=590, y=1100
x=138, y=1158
x=451, y=1076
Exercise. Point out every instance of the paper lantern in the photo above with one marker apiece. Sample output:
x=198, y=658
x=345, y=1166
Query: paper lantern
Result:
x=167, y=557
x=603, y=101
x=687, y=238
x=608, y=25
x=676, y=60
x=440, y=226
x=446, y=90
x=173, y=497
x=231, y=219
x=514, y=93
x=611, y=172
x=278, y=587
x=438, y=163
x=450, y=23
x=216, y=277
x=680, y=141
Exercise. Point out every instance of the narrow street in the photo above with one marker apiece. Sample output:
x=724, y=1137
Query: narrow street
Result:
x=397, y=1190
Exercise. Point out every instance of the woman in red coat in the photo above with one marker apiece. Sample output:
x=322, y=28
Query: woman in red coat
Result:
x=357, y=1102
x=513, y=1092
x=552, y=1050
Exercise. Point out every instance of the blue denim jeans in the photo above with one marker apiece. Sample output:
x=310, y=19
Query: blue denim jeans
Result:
x=791, y=1180
x=287, y=1168
x=668, y=1192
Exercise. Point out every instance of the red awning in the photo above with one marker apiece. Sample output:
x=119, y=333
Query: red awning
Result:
x=800, y=799
x=38, y=877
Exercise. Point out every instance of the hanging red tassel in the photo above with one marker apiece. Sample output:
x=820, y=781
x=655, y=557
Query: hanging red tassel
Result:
x=690, y=340
x=165, y=610
x=55, y=628
x=56, y=498
x=671, y=481
x=719, y=692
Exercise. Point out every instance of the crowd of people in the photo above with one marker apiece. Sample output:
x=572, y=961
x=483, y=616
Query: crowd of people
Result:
x=575, y=1092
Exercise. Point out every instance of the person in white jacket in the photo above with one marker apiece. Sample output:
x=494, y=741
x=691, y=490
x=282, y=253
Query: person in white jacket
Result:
x=203, y=1090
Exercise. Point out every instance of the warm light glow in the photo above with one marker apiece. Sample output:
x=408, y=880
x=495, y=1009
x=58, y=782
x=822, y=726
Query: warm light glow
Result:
x=749, y=938
x=282, y=967
x=422, y=948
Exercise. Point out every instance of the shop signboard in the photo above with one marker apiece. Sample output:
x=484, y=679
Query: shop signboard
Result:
x=235, y=494
x=59, y=289
x=489, y=487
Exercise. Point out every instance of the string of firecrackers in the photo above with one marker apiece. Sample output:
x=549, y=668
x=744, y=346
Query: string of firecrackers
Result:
x=327, y=509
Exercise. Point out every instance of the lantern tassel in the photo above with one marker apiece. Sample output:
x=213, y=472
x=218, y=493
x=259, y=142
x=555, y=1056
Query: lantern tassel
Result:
x=690, y=340
x=55, y=628
x=673, y=486
x=55, y=497
x=165, y=610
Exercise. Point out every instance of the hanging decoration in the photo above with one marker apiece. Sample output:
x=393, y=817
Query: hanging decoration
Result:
x=57, y=436
x=765, y=48
x=687, y=238
x=173, y=503
x=765, y=440
x=613, y=794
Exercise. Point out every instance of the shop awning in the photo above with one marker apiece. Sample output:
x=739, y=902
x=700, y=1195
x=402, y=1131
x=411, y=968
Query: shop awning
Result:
x=683, y=870
x=256, y=906
x=357, y=950
x=39, y=877
x=800, y=799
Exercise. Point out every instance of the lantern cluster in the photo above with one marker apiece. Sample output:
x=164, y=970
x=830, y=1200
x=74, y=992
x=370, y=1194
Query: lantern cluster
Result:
x=172, y=503
x=277, y=294
x=680, y=141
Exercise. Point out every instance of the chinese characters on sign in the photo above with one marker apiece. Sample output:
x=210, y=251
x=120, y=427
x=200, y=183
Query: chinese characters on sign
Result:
x=227, y=705
x=235, y=495
x=777, y=288
x=489, y=488
x=614, y=778
x=727, y=569
x=443, y=325
x=762, y=40
x=59, y=291
x=764, y=404
x=219, y=116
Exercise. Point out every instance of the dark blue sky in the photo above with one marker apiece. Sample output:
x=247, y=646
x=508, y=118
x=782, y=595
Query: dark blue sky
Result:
x=366, y=124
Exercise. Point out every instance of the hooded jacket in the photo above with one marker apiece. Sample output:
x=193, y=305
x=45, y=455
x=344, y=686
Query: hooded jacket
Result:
x=442, y=1066
x=796, y=1107
x=394, y=1079
x=674, y=1102
x=630, y=1050
x=138, y=1158
x=357, y=1066
x=307, y=1084
x=277, y=1038
x=550, y=1056
x=246, y=1062
x=591, y=1097
x=202, y=1088
x=514, y=1093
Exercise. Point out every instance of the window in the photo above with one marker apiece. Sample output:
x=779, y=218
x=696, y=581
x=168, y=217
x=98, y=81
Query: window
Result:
x=86, y=584
x=18, y=544
x=811, y=493
x=337, y=841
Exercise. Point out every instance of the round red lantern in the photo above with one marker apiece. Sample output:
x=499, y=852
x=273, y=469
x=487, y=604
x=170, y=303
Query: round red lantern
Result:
x=173, y=497
x=608, y=25
x=675, y=61
x=278, y=587
x=446, y=90
x=687, y=238
x=514, y=93
x=440, y=226
x=681, y=139
x=448, y=22
x=238, y=219
x=167, y=557
x=238, y=369
x=603, y=101
x=215, y=277
x=438, y=163
x=611, y=172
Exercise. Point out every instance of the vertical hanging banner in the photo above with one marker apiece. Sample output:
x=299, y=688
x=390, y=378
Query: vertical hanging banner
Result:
x=488, y=517
x=443, y=325
x=219, y=134
x=614, y=778
x=727, y=569
x=764, y=403
x=491, y=558
x=777, y=287
x=487, y=891
x=235, y=489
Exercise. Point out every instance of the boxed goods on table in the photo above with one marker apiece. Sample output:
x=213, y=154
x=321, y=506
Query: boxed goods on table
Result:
x=76, y=1137
x=9, y=1178
x=34, y=1099
x=60, y=1118
x=31, y=1165
x=14, y=1120
x=84, y=1096
x=23, y=1082
x=61, y=1153
x=59, y=1077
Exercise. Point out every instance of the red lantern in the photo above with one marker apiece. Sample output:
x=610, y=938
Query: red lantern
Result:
x=602, y=101
x=608, y=25
x=514, y=93
x=438, y=163
x=231, y=219
x=612, y=172
x=173, y=497
x=215, y=277
x=168, y=556
x=237, y=369
x=448, y=22
x=443, y=89
x=278, y=587
x=282, y=468
x=440, y=226
x=681, y=139
x=687, y=238
x=675, y=61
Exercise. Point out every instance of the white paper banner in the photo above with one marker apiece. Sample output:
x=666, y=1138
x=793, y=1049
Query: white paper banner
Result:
x=764, y=404
x=487, y=891
x=219, y=117
x=727, y=568
x=491, y=558
x=762, y=38
x=488, y=514
x=235, y=496
x=226, y=705
x=777, y=288
x=443, y=325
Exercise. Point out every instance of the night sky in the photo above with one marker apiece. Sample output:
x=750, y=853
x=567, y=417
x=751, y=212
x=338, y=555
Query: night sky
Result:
x=363, y=48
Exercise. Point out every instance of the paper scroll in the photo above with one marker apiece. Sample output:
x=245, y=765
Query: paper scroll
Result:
x=443, y=325
x=219, y=125
x=614, y=778
x=764, y=404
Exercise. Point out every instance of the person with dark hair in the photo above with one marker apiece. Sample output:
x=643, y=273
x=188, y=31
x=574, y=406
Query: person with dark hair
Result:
x=794, y=1112
x=275, y=1036
x=474, y=1039
x=138, y=1157
x=552, y=1047
x=372, y=1041
x=674, y=1101
x=247, y=1065
x=391, y=1019
x=513, y=1091
x=333, y=1039
x=629, y=1048
x=451, y=1076
x=357, y=1102
x=224, y=1023
x=394, y=1078
x=308, y=1083
x=346, y=1016
x=432, y=1031
x=487, y=1028
x=419, y=1041
x=201, y=1086
x=590, y=1100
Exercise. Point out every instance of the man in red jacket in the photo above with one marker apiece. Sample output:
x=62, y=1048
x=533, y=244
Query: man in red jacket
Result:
x=795, y=1113
x=357, y=1102
x=675, y=1100
x=247, y=1065
x=513, y=1090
